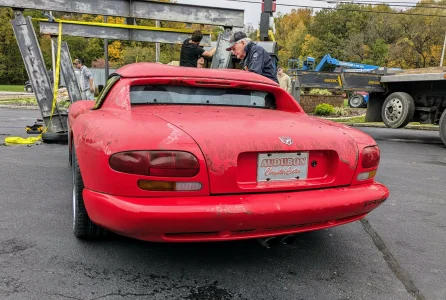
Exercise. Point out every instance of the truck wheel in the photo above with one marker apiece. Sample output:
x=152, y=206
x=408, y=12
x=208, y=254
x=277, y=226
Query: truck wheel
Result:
x=29, y=89
x=356, y=101
x=398, y=110
x=83, y=227
x=443, y=127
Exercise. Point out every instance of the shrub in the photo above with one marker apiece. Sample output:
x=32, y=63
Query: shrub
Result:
x=64, y=104
x=324, y=109
x=321, y=92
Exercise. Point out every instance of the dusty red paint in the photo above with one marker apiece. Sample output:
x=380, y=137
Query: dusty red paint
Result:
x=214, y=131
x=226, y=141
x=141, y=70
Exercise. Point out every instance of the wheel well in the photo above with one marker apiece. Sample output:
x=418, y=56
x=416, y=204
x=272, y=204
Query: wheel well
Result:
x=424, y=93
x=429, y=98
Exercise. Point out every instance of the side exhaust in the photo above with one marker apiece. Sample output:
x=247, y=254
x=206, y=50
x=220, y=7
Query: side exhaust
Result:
x=269, y=242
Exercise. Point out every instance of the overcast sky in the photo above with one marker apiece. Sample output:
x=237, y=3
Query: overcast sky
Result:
x=253, y=11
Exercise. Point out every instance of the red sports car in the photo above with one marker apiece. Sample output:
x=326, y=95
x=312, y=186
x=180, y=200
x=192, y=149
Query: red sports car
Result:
x=173, y=154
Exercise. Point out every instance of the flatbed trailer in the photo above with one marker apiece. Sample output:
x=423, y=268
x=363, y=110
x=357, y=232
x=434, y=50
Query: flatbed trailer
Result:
x=417, y=95
x=396, y=97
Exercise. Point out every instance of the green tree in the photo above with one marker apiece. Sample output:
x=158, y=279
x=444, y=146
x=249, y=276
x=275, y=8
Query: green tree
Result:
x=291, y=31
x=138, y=54
x=355, y=48
x=12, y=68
x=379, y=53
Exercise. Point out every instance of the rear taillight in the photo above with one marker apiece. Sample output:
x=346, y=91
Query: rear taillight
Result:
x=370, y=157
x=156, y=163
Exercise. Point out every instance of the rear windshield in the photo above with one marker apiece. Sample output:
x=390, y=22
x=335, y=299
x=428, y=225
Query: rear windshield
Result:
x=171, y=94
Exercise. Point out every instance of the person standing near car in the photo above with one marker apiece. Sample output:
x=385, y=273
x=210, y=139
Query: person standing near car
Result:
x=191, y=50
x=254, y=57
x=284, y=80
x=86, y=80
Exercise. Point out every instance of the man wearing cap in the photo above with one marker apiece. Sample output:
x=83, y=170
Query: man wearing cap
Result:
x=191, y=50
x=254, y=57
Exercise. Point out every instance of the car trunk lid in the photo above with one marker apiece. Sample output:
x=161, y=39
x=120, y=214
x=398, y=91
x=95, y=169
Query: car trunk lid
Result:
x=250, y=150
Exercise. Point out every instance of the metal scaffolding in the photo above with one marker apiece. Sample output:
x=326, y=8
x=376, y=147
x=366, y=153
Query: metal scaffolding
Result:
x=151, y=10
x=55, y=118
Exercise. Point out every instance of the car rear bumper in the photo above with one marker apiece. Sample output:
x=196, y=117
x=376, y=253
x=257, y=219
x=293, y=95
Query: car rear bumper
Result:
x=232, y=217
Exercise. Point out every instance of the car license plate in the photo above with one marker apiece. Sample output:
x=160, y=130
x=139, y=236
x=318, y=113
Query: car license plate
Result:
x=282, y=166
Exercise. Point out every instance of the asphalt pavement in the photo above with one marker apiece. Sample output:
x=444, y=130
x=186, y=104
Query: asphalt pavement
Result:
x=397, y=252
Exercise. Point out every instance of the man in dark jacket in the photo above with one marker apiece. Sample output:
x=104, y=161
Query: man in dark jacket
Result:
x=254, y=57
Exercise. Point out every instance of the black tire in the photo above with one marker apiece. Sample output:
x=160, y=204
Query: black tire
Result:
x=83, y=227
x=356, y=101
x=29, y=89
x=55, y=138
x=398, y=110
x=70, y=145
x=443, y=127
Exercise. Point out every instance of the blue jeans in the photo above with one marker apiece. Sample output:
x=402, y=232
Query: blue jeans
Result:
x=87, y=95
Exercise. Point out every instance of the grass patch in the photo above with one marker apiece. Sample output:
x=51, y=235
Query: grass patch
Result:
x=19, y=101
x=12, y=88
x=419, y=124
x=29, y=102
x=346, y=102
x=360, y=119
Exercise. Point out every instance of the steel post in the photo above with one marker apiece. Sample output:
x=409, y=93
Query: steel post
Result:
x=106, y=58
x=157, y=45
x=297, y=88
x=442, y=52
x=53, y=54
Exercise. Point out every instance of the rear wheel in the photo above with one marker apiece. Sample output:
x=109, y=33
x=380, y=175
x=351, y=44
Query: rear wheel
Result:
x=70, y=145
x=70, y=157
x=356, y=101
x=83, y=227
x=443, y=127
x=55, y=137
x=29, y=89
x=398, y=110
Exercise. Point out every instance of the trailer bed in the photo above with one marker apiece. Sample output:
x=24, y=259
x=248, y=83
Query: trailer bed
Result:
x=422, y=74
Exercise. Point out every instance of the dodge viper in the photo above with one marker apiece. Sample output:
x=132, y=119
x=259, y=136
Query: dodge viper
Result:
x=174, y=154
